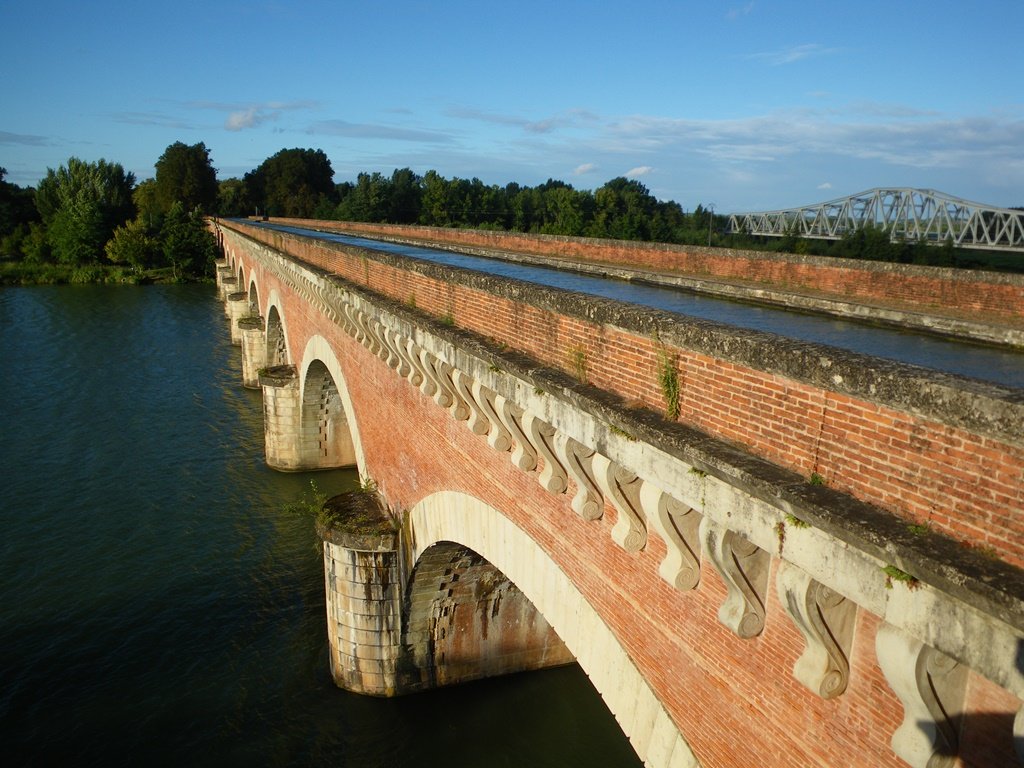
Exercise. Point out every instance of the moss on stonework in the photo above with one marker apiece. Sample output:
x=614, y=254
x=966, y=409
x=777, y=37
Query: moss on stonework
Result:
x=353, y=517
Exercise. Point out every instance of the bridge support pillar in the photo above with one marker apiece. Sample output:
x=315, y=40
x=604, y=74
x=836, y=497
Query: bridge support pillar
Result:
x=237, y=308
x=282, y=417
x=228, y=285
x=254, y=350
x=397, y=627
x=223, y=271
x=363, y=582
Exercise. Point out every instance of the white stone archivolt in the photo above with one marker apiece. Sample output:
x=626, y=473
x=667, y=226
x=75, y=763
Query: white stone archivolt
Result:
x=319, y=349
x=457, y=517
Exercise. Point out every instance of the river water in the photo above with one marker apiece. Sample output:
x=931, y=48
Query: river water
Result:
x=159, y=607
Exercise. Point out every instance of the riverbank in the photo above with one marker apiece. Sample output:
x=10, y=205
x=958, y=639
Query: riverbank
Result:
x=26, y=273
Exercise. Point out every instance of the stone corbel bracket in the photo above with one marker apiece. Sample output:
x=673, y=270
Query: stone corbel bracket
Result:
x=744, y=568
x=931, y=687
x=826, y=619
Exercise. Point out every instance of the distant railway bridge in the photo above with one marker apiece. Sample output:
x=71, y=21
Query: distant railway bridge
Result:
x=911, y=215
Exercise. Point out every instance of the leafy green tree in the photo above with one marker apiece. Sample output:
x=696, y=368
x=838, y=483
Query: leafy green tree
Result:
x=406, y=193
x=623, y=210
x=188, y=245
x=81, y=204
x=133, y=245
x=292, y=183
x=368, y=200
x=185, y=174
x=232, y=198
x=147, y=205
x=434, y=201
x=17, y=206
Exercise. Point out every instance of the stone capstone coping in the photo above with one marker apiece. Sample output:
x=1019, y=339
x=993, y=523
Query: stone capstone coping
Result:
x=357, y=520
x=447, y=237
x=251, y=323
x=939, y=325
x=277, y=375
x=959, y=401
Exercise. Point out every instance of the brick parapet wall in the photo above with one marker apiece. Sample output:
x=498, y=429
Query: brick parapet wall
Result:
x=930, y=448
x=996, y=295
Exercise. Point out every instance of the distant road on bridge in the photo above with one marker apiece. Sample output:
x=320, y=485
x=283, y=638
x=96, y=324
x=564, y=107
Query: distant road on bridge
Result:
x=913, y=215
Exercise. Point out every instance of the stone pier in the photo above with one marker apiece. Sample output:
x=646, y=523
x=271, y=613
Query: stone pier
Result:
x=397, y=627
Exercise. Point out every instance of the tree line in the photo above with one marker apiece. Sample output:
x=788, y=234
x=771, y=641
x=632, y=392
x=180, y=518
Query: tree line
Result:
x=86, y=217
x=95, y=213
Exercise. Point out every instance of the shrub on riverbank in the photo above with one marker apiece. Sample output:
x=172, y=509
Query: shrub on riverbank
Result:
x=26, y=273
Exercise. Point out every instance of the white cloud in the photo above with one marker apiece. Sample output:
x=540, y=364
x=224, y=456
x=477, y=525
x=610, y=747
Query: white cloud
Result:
x=24, y=139
x=579, y=170
x=826, y=185
x=565, y=119
x=242, y=116
x=734, y=13
x=248, y=118
x=374, y=131
x=640, y=170
x=792, y=54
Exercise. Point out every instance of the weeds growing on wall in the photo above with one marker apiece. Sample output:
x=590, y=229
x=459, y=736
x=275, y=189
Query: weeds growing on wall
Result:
x=668, y=380
x=578, y=363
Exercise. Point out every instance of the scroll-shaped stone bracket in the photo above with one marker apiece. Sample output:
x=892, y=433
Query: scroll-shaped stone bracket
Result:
x=367, y=339
x=385, y=351
x=477, y=420
x=552, y=476
x=931, y=687
x=426, y=385
x=497, y=436
x=430, y=374
x=410, y=363
x=588, y=502
x=678, y=525
x=744, y=568
x=524, y=455
x=826, y=620
x=403, y=367
x=622, y=487
x=458, y=408
x=353, y=318
x=1018, y=734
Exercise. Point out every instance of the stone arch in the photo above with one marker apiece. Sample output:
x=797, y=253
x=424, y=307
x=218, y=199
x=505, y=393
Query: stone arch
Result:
x=451, y=516
x=466, y=620
x=328, y=428
x=254, y=296
x=277, y=337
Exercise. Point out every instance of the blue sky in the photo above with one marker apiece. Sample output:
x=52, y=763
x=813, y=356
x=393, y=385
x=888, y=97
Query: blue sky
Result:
x=744, y=104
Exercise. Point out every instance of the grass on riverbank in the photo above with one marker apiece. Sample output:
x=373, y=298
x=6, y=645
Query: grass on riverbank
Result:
x=23, y=273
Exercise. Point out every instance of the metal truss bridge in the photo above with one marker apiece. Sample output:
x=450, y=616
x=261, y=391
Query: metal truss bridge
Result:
x=906, y=214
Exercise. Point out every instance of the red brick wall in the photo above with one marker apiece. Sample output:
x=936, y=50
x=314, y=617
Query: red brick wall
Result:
x=735, y=701
x=967, y=485
x=929, y=288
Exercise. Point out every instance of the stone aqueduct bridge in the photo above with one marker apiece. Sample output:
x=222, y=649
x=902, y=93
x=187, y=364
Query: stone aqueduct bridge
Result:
x=757, y=549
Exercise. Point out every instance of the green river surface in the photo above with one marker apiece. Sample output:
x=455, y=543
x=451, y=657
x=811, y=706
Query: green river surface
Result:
x=157, y=604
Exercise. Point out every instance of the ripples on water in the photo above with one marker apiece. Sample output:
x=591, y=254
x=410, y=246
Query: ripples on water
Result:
x=157, y=606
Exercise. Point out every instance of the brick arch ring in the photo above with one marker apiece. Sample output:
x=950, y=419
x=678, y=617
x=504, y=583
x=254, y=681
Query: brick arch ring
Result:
x=466, y=520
